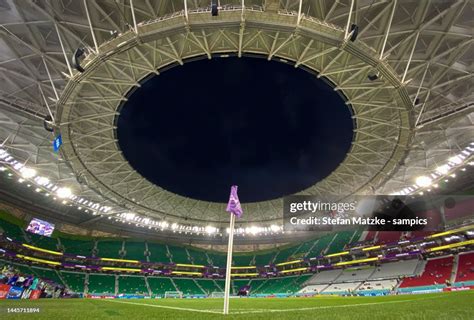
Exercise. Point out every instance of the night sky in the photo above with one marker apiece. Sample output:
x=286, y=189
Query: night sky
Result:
x=268, y=127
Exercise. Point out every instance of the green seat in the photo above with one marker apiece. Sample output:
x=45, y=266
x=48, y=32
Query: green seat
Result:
x=74, y=280
x=159, y=285
x=158, y=253
x=109, y=248
x=179, y=254
x=77, y=247
x=242, y=260
x=187, y=286
x=135, y=251
x=101, y=283
x=208, y=286
x=342, y=238
x=132, y=285
x=47, y=274
x=12, y=231
x=43, y=242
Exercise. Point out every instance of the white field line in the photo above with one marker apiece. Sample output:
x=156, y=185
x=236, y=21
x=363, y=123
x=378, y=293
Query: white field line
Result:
x=336, y=306
x=165, y=307
x=245, y=311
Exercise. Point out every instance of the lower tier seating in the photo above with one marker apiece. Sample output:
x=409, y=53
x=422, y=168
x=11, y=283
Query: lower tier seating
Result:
x=465, y=270
x=47, y=274
x=342, y=287
x=187, y=286
x=74, y=281
x=159, y=286
x=355, y=274
x=437, y=271
x=209, y=286
x=101, y=283
x=325, y=276
x=378, y=285
x=314, y=288
x=395, y=269
x=132, y=285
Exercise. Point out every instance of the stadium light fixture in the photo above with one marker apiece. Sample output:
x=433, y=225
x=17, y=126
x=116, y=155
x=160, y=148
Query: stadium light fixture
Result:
x=64, y=193
x=42, y=181
x=274, y=228
x=444, y=169
x=211, y=229
x=27, y=173
x=423, y=181
x=457, y=160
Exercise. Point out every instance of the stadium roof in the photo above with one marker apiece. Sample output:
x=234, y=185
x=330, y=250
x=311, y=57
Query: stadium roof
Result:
x=412, y=117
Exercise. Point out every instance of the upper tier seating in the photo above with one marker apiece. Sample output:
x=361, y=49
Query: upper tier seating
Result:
x=11, y=230
x=242, y=260
x=197, y=257
x=218, y=259
x=340, y=241
x=43, y=241
x=388, y=236
x=109, y=248
x=437, y=271
x=78, y=247
x=319, y=246
x=134, y=250
x=285, y=254
x=465, y=271
x=264, y=259
x=158, y=253
x=395, y=269
x=370, y=235
x=179, y=254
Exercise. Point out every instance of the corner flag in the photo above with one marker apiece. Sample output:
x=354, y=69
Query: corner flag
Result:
x=235, y=209
x=234, y=206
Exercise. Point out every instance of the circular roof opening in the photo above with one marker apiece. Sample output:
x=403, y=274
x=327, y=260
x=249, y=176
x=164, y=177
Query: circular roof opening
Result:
x=266, y=126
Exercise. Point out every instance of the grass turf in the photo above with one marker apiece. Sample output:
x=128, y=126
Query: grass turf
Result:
x=448, y=305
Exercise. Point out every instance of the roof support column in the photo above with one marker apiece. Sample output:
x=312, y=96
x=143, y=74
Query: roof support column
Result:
x=388, y=29
x=91, y=28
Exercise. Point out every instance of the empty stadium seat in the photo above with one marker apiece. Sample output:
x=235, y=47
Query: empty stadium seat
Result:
x=395, y=269
x=436, y=272
x=101, y=284
x=132, y=285
x=355, y=274
x=74, y=280
x=325, y=276
x=465, y=270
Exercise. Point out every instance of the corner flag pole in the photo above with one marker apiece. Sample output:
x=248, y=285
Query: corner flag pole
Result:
x=235, y=210
x=229, y=264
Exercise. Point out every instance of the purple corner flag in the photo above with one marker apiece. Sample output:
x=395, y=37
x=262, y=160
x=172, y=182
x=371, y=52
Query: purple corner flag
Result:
x=234, y=204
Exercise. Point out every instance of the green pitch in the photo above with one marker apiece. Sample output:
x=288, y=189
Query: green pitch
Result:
x=452, y=306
